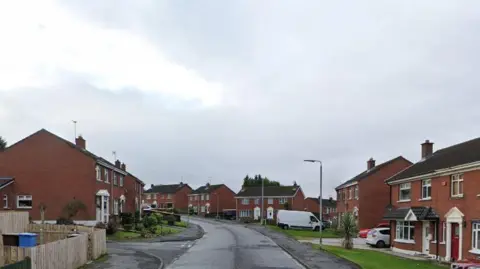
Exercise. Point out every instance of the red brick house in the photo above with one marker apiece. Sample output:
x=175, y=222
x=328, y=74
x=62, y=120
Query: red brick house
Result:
x=329, y=208
x=275, y=198
x=366, y=195
x=435, y=203
x=45, y=169
x=173, y=196
x=211, y=199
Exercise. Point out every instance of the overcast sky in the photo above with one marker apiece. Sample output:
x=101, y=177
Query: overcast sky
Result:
x=221, y=89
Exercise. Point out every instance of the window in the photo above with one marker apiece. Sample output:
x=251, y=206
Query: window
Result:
x=245, y=213
x=191, y=198
x=444, y=231
x=245, y=201
x=115, y=182
x=350, y=193
x=202, y=208
x=404, y=192
x=5, y=201
x=328, y=210
x=476, y=236
x=169, y=196
x=24, y=201
x=427, y=189
x=105, y=172
x=282, y=201
x=98, y=174
x=154, y=195
x=207, y=197
x=257, y=201
x=270, y=201
x=457, y=185
x=121, y=180
x=356, y=192
x=147, y=196
x=405, y=230
x=202, y=197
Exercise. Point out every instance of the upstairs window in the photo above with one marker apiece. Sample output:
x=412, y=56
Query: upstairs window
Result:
x=257, y=201
x=154, y=196
x=356, y=192
x=24, y=201
x=207, y=197
x=457, y=185
x=282, y=201
x=350, y=193
x=105, y=173
x=270, y=201
x=404, y=194
x=121, y=180
x=169, y=196
x=98, y=173
x=245, y=201
x=115, y=182
x=427, y=189
x=202, y=197
x=147, y=196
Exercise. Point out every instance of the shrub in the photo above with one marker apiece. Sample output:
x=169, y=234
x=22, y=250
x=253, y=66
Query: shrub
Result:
x=100, y=225
x=128, y=227
x=139, y=227
x=112, y=227
x=144, y=233
x=150, y=221
x=64, y=221
x=159, y=218
x=126, y=218
x=72, y=208
x=137, y=216
x=153, y=229
x=170, y=219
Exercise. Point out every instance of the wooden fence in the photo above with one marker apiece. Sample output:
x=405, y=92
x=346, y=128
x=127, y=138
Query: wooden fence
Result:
x=13, y=222
x=97, y=245
x=35, y=228
x=69, y=253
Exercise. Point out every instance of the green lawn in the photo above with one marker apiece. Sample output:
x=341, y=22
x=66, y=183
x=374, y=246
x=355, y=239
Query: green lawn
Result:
x=123, y=235
x=369, y=259
x=306, y=234
x=166, y=230
x=177, y=223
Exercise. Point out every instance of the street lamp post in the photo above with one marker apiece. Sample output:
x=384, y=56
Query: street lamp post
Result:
x=319, y=199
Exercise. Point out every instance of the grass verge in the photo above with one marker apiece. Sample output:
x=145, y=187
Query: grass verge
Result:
x=123, y=235
x=370, y=259
x=306, y=234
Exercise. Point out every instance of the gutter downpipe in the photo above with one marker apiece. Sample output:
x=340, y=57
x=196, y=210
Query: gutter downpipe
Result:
x=436, y=236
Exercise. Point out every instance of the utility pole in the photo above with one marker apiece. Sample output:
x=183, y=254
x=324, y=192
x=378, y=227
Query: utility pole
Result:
x=74, y=128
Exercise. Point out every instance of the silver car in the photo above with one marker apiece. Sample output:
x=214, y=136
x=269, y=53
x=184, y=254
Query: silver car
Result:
x=378, y=237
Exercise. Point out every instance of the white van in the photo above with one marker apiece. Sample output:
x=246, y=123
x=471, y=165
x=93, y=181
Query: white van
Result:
x=287, y=219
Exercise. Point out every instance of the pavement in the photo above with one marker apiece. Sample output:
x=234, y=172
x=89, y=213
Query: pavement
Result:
x=304, y=253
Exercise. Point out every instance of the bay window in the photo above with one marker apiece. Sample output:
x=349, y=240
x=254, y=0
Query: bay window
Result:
x=405, y=231
x=404, y=194
x=476, y=237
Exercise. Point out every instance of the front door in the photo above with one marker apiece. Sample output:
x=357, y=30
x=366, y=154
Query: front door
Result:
x=455, y=241
x=426, y=237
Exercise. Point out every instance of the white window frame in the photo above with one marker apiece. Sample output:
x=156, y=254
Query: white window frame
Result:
x=24, y=198
x=115, y=181
x=106, y=174
x=270, y=201
x=245, y=213
x=202, y=197
x=257, y=201
x=426, y=189
x=98, y=173
x=282, y=200
x=147, y=196
x=5, y=201
x=405, y=186
x=400, y=225
x=245, y=201
x=350, y=193
x=444, y=231
x=191, y=198
x=202, y=209
x=456, y=179
x=476, y=237
x=356, y=192
x=121, y=180
x=207, y=197
x=115, y=207
x=154, y=196
x=169, y=196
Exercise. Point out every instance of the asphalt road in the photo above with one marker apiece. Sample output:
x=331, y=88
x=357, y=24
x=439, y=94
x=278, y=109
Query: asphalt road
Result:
x=230, y=246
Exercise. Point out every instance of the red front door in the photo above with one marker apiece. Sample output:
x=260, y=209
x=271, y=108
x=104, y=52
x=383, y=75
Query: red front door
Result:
x=455, y=241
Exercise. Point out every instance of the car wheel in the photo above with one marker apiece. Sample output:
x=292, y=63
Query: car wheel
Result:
x=316, y=229
x=285, y=227
x=380, y=244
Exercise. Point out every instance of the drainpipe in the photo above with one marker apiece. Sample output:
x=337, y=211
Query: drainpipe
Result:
x=437, y=236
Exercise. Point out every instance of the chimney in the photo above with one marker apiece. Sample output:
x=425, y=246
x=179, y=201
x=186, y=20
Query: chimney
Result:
x=181, y=183
x=427, y=149
x=80, y=142
x=117, y=164
x=123, y=167
x=208, y=185
x=370, y=163
x=152, y=186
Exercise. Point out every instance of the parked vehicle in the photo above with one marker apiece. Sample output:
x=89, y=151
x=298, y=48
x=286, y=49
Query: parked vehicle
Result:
x=287, y=219
x=363, y=233
x=379, y=237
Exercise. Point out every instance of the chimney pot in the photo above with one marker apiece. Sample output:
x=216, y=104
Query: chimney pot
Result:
x=370, y=163
x=427, y=149
x=80, y=142
x=124, y=167
x=117, y=163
